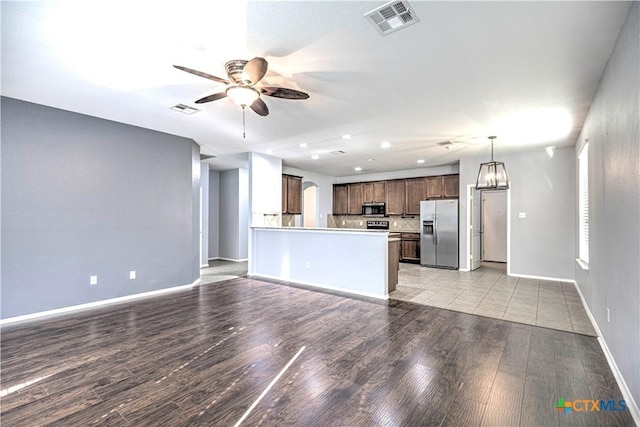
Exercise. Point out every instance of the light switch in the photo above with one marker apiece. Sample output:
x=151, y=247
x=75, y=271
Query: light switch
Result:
x=93, y=280
x=132, y=274
x=522, y=215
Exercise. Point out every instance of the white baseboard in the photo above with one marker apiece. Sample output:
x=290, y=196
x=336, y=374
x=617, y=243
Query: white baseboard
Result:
x=626, y=393
x=550, y=279
x=321, y=286
x=96, y=304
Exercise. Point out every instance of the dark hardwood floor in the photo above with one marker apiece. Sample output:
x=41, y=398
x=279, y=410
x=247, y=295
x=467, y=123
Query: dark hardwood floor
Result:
x=203, y=357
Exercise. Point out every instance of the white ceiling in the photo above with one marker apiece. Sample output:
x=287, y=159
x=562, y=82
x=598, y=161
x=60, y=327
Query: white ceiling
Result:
x=524, y=71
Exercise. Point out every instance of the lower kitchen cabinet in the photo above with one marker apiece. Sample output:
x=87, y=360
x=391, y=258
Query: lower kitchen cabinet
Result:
x=410, y=247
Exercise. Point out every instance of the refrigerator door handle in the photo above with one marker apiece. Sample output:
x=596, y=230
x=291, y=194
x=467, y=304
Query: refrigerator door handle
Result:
x=435, y=228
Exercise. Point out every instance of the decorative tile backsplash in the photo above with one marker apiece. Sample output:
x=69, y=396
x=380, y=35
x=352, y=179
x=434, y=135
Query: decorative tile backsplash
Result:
x=396, y=223
x=289, y=220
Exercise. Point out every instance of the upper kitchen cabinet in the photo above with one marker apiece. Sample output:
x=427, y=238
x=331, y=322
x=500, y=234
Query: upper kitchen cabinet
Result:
x=291, y=194
x=434, y=187
x=451, y=185
x=374, y=192
x=395, y=197
x=340, y=199
x=356, y=198
x=415, y=189
x=439, y=187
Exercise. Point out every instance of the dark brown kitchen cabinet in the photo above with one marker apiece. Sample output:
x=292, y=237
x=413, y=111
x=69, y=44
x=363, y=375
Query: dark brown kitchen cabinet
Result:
x=394, y=192
x=451, y=184
x=291, y=194
x=434, y=187
x=373, y=192
x=410, y=247
x=415, y=189
x=340, y=199
x=445, y=186
x=356, y=198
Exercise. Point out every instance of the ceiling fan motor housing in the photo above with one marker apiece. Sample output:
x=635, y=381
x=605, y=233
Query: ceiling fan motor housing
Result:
x=234, y=70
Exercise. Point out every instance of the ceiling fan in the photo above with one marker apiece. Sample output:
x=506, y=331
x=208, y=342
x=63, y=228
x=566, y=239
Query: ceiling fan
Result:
x=243, y=76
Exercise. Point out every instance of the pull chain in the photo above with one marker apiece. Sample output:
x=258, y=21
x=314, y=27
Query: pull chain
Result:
x=243, y=125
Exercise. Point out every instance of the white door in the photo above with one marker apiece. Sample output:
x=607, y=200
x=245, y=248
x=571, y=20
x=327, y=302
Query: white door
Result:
x=494, y=226
x=475, y=198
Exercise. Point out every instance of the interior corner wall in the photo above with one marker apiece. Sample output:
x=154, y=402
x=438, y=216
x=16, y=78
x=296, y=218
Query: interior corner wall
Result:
x=325, y=191
x=265, y=186
x=214, y=214
x=243, y=217
x=234, y=217
x=83, y=196
x=204, y=200
x=612, y=128
x=543, y=188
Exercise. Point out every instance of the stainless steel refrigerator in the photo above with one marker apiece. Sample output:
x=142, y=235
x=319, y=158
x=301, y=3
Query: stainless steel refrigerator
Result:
x=439, y=237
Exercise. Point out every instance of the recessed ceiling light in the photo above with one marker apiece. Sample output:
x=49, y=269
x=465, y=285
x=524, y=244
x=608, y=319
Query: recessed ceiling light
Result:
x=315, y=157
x=302, y=144
x=421, y=161
x=357, y=168
x=346, y=136
x=370, y=159
x=385, y=144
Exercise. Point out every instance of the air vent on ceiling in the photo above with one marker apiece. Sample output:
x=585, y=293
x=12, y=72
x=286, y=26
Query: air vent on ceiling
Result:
x=337, y=152
x=184, y=109
x=446, y=144
x=392, y=16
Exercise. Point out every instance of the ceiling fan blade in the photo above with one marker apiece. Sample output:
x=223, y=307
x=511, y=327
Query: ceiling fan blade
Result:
x=213, y=97
x=283, y=92
x=260, y=107
x=201, y=74
x=255, y=70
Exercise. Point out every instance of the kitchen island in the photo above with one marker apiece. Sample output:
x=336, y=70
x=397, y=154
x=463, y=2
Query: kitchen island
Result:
x=361, y=262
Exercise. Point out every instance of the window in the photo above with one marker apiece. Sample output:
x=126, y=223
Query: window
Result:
x=583, y=204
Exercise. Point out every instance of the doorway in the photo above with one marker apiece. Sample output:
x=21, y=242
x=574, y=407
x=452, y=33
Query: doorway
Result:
x=309, y=204
x=493, y=226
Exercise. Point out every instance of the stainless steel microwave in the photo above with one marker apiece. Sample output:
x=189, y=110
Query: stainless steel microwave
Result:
x=373, y=209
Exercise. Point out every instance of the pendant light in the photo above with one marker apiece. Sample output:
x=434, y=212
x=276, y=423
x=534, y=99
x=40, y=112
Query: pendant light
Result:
x=492, y=175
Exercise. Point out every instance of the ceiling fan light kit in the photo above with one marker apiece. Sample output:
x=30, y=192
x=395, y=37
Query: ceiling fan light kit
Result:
x=492, y=175
x=242, y=95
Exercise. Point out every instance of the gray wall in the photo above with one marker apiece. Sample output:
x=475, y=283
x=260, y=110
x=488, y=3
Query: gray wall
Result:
x=613, y=278
x=543, y=187
x=234, y=217
x=204, y=184
x=83, y=196
x=214, y=214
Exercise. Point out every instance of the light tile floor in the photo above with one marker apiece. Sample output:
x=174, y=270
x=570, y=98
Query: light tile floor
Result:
x=489, y=292
x=220, y=270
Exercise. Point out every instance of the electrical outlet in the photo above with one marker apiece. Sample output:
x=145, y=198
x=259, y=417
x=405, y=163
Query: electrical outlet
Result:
x=522, y=215
x=608, y=315
x=93, y=280
x=132, y=274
